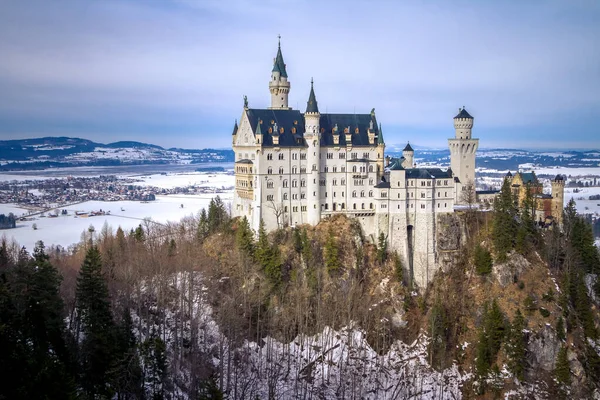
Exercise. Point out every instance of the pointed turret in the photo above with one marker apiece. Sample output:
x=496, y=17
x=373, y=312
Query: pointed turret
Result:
x=278, y=64
x=235, y=128
x=258, y=130
x=311, y=104
x=380, y=136
x=279, y=85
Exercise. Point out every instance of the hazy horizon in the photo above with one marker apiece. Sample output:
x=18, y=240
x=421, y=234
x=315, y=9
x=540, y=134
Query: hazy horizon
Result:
x=174, y=72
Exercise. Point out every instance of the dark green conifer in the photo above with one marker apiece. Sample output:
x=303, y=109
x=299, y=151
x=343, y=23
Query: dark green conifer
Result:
x=382, y=248
x=504, y=226
x=562, y=371
x=483, y=260
x=245, y=238
x=332, y=262
x=517, y=347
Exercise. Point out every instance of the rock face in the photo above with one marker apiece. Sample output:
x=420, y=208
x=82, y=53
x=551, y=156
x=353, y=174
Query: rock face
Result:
x=509, y=271
x=542, y=349
x=449, y=236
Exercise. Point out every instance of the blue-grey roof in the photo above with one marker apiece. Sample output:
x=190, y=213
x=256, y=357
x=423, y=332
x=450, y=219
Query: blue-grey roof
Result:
x=463, y=114
x=559, y=177
x=487, y=191
x=408, y=147
x=396, y=164
x=279, y=65
x=528, y=177
x=311, y=104
x=380, y=136
x=383, y=185
x=426, y=173
x=244, y=161
x=291, y=120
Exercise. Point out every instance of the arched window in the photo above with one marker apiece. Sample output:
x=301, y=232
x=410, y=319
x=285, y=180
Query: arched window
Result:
x=371, y=206
x=370, y=193
x=285, y=196
x=354, y=168
x=326, y=206
x=354, y=193
x=303, y=183
x=362, y=193
x=270, y=171
x=281, y=156
x=280, y=170
x=370, y=168
x=294, y=183
x=354, y=206
x=270, y=184
x=285, y=183
x=363, y=206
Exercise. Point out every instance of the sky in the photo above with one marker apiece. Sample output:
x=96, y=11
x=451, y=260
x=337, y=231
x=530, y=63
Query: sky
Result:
x=174, y=72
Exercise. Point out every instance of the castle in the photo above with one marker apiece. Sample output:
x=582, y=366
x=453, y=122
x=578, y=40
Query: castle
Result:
x=294, y=168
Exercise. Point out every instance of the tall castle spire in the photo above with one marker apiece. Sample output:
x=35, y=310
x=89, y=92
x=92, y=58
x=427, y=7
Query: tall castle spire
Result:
x=311, y=104
x=279, y=85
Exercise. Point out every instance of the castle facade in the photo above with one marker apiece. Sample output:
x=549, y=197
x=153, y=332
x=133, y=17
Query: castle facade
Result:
x=294, y=168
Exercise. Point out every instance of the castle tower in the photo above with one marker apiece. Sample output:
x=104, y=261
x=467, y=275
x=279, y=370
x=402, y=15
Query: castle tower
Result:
x=279, y=85
x=409, y=156
x=380, y=153
x=558, y=198
x=462, y=152
x=313, y=140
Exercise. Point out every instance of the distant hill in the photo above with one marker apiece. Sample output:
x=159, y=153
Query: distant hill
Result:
x=57, y=152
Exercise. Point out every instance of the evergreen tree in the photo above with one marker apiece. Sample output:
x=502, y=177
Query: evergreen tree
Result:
x=560, y=329
x=332, y=262
x=562, y=371
x=297, y=241
x=268, y=257
x=504, y=226
x=517, y=347
x=483, y=261
x=244, y=238
x=217, y=214
x=97, y=351
x=491, y=336
x=398, y=268
x=382, y=248
x=4, y=258
x=126, y=373
x=203, y=227
x=154, y=356
x=139, y=234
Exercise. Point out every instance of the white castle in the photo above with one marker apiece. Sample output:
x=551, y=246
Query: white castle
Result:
x=294, y=168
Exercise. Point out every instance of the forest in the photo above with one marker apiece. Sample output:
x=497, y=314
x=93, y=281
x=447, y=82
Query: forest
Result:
x=208, y=309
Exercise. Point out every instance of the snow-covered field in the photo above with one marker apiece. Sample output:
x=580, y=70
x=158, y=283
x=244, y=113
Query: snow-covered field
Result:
x=66, y=230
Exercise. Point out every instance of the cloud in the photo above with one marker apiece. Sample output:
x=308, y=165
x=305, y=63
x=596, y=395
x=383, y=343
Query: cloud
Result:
x=124, y=65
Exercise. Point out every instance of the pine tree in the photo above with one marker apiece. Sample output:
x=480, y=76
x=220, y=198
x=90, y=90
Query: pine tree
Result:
x=268, y=257
x=217, y=214
x=332, y=262
x=203, y=227
x=126, y=372
x=139, y=234
x=560, y=329
x=504, y=227
x=491, y=335
x=244, y=238
x=154, y=355
x=4, y=258
x=97, y=352
x=517, y=346
x=483, y=261
x=382, y=248
x=562, y=371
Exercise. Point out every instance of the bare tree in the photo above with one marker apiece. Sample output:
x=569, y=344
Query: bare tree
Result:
x=468, y=195
x=278, y=211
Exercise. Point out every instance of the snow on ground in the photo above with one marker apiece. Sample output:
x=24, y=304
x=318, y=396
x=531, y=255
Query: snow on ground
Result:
x=66, y=230
x=198, y=179
x=573, y=172
x=582, y=202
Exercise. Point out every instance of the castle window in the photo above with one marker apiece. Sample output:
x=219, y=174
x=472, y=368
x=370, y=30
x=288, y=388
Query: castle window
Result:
x=371, y=181
x=385, y=206
x=343, y=169
x=326, y=206
x=270, y=171
x=302, y=170
x=302, y=196
x=343, y=182
x=342, y=155
x=422, y=206
x=343, y=205
x=285, y=209
x=354, y=206
x=398, y=195
x=422, y=183
x=445, y=183
x=422, y=195
x=370, y=168
x=294, y=156
x=294, y=183
x=270, y=197
x=354, y=193
x=354, y=156
x=412, y=194
x=269, y=156
x=362, y=193
x=366, y=155
x=438, y=205
x=285, y=183
x=334, y=182
x=295, y=209
x=322, y=182
x=362, y=206
x=285, y=196
x=333, y=194
x=371, y=205
x=428, y=183
x=280, y=170
x=329, y=156
x=354, y=168
x=302, y=183
x=445, y=194
x=445, y=204
x=303, y=208
x=303, y=156
x=295, y=196
x=326, y=169
x=342, y=194
x=356, y=130
x=269, y=184
x=383, y=194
